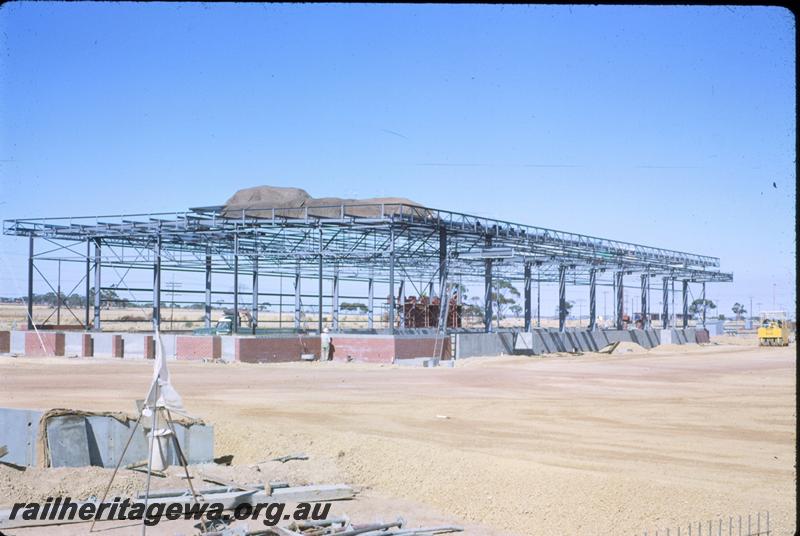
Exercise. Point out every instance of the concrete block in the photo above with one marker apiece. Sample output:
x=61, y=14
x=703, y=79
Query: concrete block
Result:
x=68, y=441
x=229, y=348
x=77, y=440
x=666, y=336
x=19, y=430
x=134, y=345
x=77, y=344
x=484, y=344
x=44, y=344
x=18, y=342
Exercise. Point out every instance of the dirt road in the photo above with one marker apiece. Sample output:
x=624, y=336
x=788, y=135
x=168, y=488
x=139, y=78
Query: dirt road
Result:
x=547, y=446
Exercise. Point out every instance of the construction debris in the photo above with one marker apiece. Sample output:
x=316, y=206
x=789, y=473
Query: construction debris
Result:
x=289, y=457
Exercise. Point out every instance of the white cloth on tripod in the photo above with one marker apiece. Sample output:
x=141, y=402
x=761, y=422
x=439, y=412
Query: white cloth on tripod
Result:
x=168, y=397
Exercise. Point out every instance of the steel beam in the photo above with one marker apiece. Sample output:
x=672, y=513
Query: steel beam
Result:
x=562, y=298
x=592, y=299
x=487, y=290
x=620, y=298
x=527, y=292
x=254, y=305
x=30, y=282
x=97, y=276
x=665, y=303
x=207, y=313
x=157, y=285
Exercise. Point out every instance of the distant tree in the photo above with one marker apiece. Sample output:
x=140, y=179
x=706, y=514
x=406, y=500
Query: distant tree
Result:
x=738, y=309
x=567, y=308
x=696, y=308
x=352, y=306
x=516, y=309
x=504, y=295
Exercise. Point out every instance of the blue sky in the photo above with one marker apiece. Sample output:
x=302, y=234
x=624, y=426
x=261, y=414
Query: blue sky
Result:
x=659, y=125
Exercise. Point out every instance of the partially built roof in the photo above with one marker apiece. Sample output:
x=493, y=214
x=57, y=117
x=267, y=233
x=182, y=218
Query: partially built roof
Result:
x=364, y=238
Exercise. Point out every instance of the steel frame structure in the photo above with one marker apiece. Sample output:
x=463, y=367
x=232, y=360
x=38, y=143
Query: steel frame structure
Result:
x=398, y=243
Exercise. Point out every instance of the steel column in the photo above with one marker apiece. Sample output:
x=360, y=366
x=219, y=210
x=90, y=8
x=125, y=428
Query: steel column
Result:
x=254, y=305
x=207, y=313
x=645, y=313
x=391, y=279
x=442, y=261
x=665, y=306
x=539, y=298
x=236, y=283
x=620, y=298
x=527, y=292
x=370, y=302
x=401, y=297
x=592, y=299
x=319, y=284
x=88, y=284
x=157, y=285
x=97, y=274
x=30, y=282
x=297, y=311
x=487, y=289
x=335, y=304
x=562, y=298
x=685, y=292
x=704, y=304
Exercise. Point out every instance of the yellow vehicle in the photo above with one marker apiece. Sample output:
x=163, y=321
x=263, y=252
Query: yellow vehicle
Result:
x=773, y=330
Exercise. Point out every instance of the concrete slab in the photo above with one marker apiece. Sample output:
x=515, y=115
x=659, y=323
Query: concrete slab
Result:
x=78, y=440
x=19, y=429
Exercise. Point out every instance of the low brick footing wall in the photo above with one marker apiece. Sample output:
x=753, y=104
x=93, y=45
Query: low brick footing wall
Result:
x=5, y=342
x=386, y=348
x=78, y=344
x=275, y=349
x=44, y=344
x=198, y=347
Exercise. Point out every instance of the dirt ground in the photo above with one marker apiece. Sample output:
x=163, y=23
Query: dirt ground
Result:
x=586, y=444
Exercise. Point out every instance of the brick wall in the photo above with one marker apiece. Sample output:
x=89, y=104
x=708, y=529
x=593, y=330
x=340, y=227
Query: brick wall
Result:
x=117, y=346
x=5, y=342
x=384, y=348
x=406, y=347
x=87, y=345
x=274, y=349
x=44, y=344
x=368, y=348
x=198, y=347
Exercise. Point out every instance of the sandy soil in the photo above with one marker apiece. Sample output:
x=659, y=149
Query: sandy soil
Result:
x=584, y=444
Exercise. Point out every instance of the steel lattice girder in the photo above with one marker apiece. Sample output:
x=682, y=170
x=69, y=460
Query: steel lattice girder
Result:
x=357, y=245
